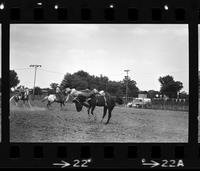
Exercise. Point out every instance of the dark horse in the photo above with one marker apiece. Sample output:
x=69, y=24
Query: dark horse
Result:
x=98, y=100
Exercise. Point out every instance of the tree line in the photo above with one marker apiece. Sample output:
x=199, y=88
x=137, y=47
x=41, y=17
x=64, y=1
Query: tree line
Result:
x=82, y=80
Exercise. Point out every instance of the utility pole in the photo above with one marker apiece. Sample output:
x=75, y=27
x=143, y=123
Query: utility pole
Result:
x=127, y=70
x=35, y=66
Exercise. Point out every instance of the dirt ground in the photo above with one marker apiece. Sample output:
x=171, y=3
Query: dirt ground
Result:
x=67, y=125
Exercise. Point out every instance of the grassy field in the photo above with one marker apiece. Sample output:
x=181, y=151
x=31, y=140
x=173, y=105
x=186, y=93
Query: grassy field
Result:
x=67, y=125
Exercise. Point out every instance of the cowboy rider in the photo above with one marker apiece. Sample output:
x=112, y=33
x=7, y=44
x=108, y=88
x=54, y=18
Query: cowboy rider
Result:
x=21, y=91
x=26, y=90
x=58, y=92
x=102, y=93
x=57, y=89
x=73, y=92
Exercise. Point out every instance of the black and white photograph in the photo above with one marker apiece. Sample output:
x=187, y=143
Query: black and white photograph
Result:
x=99, y=83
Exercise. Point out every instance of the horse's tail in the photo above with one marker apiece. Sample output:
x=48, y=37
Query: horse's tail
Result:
x=11, y=98
x=67, y=99
x=119, y=100
x=45, y=98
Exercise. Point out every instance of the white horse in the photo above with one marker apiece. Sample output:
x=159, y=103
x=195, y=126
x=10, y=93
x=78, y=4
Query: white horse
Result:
x=60, y=98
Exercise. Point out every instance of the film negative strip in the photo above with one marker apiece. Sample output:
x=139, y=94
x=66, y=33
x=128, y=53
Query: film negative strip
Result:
x=134, y=63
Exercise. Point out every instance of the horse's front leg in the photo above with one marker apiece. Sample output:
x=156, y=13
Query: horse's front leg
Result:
x=94, y=115
x=29, y=104
x=89, y=112
x=104, y=113
x=48, y=104
x=24, y=103
x=61, y=105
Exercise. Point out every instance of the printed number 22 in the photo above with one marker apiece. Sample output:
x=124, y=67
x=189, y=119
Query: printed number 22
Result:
x=78, y=164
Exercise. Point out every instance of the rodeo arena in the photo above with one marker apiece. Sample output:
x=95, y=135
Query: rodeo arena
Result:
x=93, y=115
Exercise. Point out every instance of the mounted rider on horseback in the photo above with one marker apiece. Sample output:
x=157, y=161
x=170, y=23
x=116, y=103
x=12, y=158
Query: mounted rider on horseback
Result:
x=20, y=92
x=86, y=94
x=59, y=94
x=99, y=93
x=102, y=93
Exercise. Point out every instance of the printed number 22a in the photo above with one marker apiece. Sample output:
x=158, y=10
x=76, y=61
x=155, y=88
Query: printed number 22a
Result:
x=172, y=163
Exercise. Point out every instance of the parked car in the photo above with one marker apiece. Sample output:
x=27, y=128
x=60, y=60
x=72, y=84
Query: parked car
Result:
x=139, y=102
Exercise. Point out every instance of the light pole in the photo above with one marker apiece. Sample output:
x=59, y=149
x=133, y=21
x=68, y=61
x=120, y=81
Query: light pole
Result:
x=127, y=70
x=35, y=66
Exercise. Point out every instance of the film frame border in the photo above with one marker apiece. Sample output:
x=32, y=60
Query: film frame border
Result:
x=100, y=11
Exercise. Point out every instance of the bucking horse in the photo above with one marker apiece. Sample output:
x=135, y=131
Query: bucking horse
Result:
x=106, y=101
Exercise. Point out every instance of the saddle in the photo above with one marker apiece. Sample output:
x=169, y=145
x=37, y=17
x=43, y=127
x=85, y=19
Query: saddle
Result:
x=99, y=99
x=59, y=96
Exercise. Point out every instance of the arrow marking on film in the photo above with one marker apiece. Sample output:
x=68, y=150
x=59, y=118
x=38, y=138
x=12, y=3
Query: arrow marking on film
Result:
x=63, y=164
x=152, y=164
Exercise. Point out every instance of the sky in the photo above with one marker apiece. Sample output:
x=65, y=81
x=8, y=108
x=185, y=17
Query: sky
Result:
x=147, y=50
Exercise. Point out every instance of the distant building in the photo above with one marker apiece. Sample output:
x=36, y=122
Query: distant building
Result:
x=45, y=91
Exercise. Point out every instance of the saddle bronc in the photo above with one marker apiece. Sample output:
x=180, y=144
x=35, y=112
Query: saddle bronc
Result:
x=97, y=100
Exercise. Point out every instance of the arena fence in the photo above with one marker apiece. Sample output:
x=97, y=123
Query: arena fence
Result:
x=170, y=104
